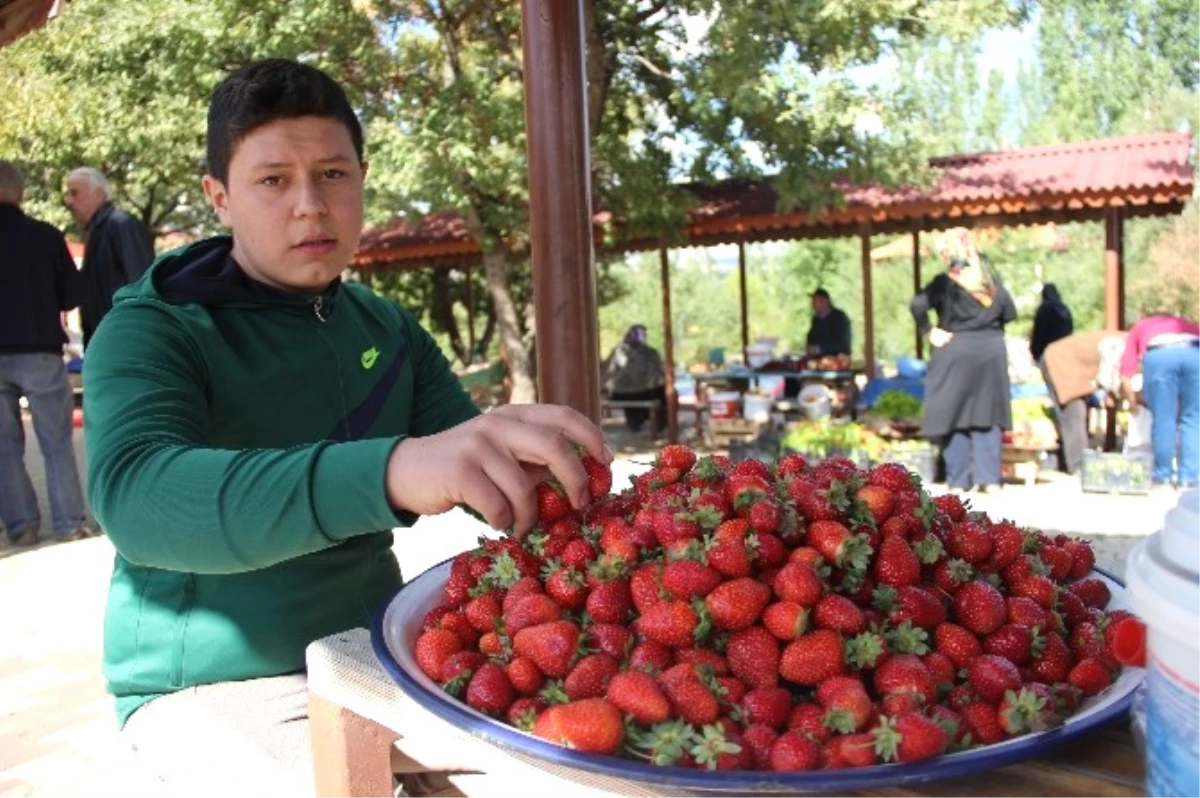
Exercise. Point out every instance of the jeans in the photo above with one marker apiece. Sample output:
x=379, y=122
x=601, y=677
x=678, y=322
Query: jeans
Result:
x=42, y=379
x=1171, y=386
x=972, y=453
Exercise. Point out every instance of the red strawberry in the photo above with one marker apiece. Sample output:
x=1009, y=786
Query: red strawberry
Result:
x=838, y=613
x=893, y=476
x=433, y=648
x=791, y=464
x=651, y=656
x=638, y=694
x=960, y=645
x=754, y=657
x=489, y=691
x=1059, y=561
x=707, y=657
x=981, y=722
x=846, y=703
x=878, y=500
x=673, y=623
x=531, y=610
x=1083, y=558
x=765, y=516
x=950, y=505
x=458, y=587
x=906, y=674
x=798, y=582
x=1091, y=676
x=552, y=502
x=786, y=620
x=772, y=551
x=1011, y=641
x=567, y=587
x=579, y=554
x=484, y=611
x=599, y=477
x=462, y=664
x=896, y=563
x=613, y=639
x=850, y=751
x=979, y=607
x=970, y=542
x=991, y=677
x=524, y=674
x=918, y=606
x=1092, y=592
x=551, y=645
x=837, y=545
x=1025, y=611
x=456, y=622
x=690, y=698
x=769, y=706
x=1040, y=589
x=951, y=574
x=793, y=751
x=524, y=712
x=1030, y=709
x=813, y=658
x=910, y=737
x=1051, y=659
x=1007, y=544
x=610, y=602
x=738, y=603
x=721, y=747
x=589, y=678
x=593, y=725
x=677, y=456
x=750, y=467
x=687, y=579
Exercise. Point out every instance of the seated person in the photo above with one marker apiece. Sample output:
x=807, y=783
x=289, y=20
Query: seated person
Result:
x=829, y=334
x=634, y=371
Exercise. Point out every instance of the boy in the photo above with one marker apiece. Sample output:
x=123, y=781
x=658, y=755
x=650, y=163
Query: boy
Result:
x=256, y=427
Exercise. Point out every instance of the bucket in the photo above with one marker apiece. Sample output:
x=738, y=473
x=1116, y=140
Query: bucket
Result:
x=723, y=404
x=757, y=407
x=814, y=402
x=1164, y=589
x=758, y=355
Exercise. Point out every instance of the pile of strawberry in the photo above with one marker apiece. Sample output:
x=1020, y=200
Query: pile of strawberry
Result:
x=808, y=616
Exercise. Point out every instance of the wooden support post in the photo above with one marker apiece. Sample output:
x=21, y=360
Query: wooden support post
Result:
x=868, y=304
x=1114, y=269
x=664, y=266
x=744, y=302
x=564, y=279
x=916, y=272
x=352, y=756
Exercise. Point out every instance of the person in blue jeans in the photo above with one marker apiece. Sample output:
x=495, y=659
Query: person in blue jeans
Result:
x=38, y=281
x=1168, y=349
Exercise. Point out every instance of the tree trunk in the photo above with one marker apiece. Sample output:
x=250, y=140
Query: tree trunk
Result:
x=512, y=350
x=442, y=311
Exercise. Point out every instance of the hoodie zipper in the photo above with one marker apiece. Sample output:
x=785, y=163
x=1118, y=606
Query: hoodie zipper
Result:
x=318, y=308
x=182, y=617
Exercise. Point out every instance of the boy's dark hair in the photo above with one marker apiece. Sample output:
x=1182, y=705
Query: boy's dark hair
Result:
x=263, y=91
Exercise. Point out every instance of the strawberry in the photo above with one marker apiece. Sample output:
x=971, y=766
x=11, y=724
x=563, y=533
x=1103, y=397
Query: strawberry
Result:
x=981, y=722
x=907, y=675
x=1072, y=608
x=721, y=747
x=979, y=607
x=531, y=610
x=917, y=605
x=1058, y=560
x=729, y=556
x=815, y=503
x=524, y=712
x=950, y=505
x=456, y=622
x=651, y=656
x=771, y=552
x=590, y=676
x=673, y=623
x=754, y=657
x=484, y=611
x=1007, y=544
x=432, y=648
x=1083, y=558
x=552, y=646
x=707, y=657
x=637, y=694
x=769, y=706
x=910, y=737
x=1051, y=659
x=1011, y=641
x=593, y=725
x=677, y=456
x=838, y=613
x=688, y=579
x=786, y=620
x=970, y=542
x=896, y=563
x=813, y=658
x=457, y=591
x=944, y=671
x=691, y=699
x=798, y=582
x=951, y=574
x=578, y=554
x=1030, y=709
x=759, y=738
x=552, y=502
x=743, y=490
x=613, y=639
x=991, y=677
x=793, y=751
x=850, y=751
x=765, y=516
x=610, y=602
x=599, y=477
x=567, y=587
x=1040, y=589
x=891, y=476
x=489, y=690
x=835, y=543
x=525, y=676
x=750, y=467
x=960, y=645
x=616, y=540
x=846, y=703
x=738, y=603
x=458, y=668
x=791, y=464
x=878, y=500
x=1090, y=676
x=1092, y=592
x=1024, y=611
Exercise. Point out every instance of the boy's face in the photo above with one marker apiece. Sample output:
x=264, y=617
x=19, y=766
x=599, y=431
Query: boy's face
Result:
x=293, y=200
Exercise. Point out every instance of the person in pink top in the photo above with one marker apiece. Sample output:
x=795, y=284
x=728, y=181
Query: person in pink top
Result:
x=1168, y=349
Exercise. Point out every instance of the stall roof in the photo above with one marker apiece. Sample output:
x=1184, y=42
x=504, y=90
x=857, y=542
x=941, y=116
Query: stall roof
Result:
x=1146, y=175
x=18, y=17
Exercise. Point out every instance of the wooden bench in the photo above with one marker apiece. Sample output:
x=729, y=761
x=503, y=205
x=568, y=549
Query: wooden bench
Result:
x=607, y=406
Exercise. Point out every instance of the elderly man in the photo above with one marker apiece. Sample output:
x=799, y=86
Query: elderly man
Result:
x=119, y=247
x=37, y=282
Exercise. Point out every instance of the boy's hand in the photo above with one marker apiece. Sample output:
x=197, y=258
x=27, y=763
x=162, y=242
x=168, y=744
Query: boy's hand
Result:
x=493, y=462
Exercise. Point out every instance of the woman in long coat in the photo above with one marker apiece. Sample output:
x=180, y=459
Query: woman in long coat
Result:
x=966, y=386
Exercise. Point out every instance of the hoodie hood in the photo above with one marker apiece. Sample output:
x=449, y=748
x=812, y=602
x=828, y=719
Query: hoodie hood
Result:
x=205, y=272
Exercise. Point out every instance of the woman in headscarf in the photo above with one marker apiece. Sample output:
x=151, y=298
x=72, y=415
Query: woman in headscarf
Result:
x=1051, y=322
x=966, y=386
x=634, y=371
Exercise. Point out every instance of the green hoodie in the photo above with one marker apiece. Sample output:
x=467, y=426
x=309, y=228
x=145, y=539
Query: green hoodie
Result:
x=237, y=440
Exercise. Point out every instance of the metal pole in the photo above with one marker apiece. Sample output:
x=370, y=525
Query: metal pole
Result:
x=669, y=347
x=742, y=290
x=564, y=281
x=916, y=271
x=868, y=305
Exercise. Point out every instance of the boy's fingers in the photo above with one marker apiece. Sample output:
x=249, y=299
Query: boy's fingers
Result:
x=574, y=425
x=481, y=494
x=517, y=489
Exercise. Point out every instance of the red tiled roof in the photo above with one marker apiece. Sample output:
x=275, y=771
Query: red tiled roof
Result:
x=1145, y=174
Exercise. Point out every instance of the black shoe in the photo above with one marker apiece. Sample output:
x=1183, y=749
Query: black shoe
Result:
x=25, y=539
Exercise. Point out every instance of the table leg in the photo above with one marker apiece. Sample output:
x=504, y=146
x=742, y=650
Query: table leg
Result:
x=351, y=755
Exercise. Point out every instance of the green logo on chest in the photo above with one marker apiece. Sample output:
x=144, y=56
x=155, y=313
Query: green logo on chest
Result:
x=369, y=357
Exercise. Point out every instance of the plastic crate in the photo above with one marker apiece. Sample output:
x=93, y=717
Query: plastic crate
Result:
x=1112, y=472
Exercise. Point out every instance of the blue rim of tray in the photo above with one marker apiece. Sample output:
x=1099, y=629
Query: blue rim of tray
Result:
x=948, y=766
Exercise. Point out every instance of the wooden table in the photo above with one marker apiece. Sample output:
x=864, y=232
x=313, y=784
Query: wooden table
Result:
x=365, y=729
x=841, y=379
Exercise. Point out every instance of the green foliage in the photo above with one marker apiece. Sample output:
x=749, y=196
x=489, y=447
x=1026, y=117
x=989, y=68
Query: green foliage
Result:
x=897, y=404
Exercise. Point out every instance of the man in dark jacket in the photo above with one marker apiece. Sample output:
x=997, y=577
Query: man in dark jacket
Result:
x=119, y=247
x=830, y=330
x=1051, y=322
x=38, y=282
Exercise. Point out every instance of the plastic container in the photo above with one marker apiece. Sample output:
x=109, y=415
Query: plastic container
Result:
x=1164, y=589
x=815, y=402
x=757, y=407
x=758, y=355
x=723, y=404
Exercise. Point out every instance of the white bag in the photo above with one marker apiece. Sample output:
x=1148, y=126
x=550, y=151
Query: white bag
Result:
x=1137, y=439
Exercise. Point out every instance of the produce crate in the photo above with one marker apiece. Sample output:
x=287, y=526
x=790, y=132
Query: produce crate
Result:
x=728, y=431
x=1020, y=464
x=921, y=460
x=1113, y=472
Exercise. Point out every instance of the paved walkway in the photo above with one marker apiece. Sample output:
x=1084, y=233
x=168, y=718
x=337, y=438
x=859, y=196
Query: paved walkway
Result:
x=57, y=730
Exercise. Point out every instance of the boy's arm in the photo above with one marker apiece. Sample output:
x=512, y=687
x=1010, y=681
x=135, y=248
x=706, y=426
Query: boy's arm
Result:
x=168, y=500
